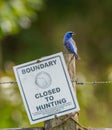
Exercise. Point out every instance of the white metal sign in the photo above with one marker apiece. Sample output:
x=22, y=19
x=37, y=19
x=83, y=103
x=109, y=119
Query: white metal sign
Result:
x=46, y=88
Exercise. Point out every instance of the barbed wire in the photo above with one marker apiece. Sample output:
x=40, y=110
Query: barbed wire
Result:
x=9, y=82
x=92, y=82
x=76, y=81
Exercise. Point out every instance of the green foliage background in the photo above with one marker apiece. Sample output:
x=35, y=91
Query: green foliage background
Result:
x=30, y=29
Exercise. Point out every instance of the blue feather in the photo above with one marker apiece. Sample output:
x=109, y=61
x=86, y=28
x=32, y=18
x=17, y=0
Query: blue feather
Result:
x=70, y=44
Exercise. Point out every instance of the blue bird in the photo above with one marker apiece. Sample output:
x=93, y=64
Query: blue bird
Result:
x=70, y=45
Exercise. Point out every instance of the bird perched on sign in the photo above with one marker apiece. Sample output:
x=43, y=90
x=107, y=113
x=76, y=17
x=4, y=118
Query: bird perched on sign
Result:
x=70, y=45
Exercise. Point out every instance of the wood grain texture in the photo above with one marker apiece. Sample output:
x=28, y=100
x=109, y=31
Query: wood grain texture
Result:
x=64, y=122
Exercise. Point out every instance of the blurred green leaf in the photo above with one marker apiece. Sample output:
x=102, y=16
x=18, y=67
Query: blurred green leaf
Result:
x=16, y=14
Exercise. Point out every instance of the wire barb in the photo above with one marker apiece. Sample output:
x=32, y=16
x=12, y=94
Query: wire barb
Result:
x=9, y=82
x=92, y=83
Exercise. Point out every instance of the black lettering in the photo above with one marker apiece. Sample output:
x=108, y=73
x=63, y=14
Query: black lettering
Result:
x=54, y=61
x=51, y=104
x=23, y=71
x=41, y=66
x=36, y=96
x=53, y=90
x=32, y=68
x=58, y=90
x=45, y=93
x=38, y=67
x=28, y=70
x=48, y=105
x=46, y=65
x=38, y=108
x=50, y=63
x=63, y=100
x=49, y=92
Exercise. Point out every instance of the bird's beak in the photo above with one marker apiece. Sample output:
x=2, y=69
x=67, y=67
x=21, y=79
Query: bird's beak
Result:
x=73, y=33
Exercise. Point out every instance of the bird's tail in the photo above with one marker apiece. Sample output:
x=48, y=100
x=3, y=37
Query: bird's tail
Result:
x=77, y=57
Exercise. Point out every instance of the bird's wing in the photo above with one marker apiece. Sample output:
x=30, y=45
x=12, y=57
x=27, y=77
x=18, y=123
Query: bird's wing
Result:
x=74, y=44
x=67, y=46
x=71, y=45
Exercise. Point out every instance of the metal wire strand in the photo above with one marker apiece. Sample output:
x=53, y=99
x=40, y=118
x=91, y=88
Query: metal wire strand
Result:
x=9, y=82
x=92, y=83
x=76, y=81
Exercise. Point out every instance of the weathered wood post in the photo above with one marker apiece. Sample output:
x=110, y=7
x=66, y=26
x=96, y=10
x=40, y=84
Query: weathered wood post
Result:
x=64, y=122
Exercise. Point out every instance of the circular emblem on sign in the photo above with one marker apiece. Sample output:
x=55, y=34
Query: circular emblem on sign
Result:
x=43, y=80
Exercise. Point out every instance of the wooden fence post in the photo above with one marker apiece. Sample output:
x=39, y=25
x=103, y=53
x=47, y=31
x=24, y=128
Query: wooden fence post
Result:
x=60, y=123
